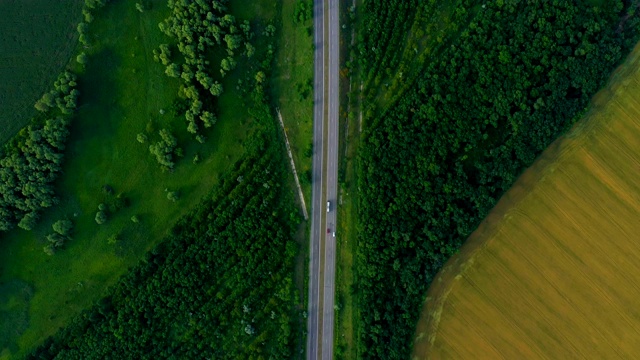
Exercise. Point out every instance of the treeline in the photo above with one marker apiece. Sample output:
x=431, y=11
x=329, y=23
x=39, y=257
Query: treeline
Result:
x=384, y=27
x=219, y=287
x=435, y=163
x=201, y=29
x=31, y=161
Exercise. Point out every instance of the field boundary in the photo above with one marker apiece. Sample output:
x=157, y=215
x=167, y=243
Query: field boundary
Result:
x=552, y=158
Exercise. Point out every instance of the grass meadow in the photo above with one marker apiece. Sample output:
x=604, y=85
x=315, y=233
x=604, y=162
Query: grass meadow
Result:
x=553, y=271
x=37, y=41
x=122, y=94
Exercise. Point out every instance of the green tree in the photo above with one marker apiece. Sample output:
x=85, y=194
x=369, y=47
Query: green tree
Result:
x=173, y=196
x=29, y=221
x=228, y=64
x=63, y=227
x=208, y=119
x=142, y=138
x=216, y=89
x=49, y=249
x=82, y=58
x=233, y=41
x=101, y=217
x=56, y=239
x=173, y=70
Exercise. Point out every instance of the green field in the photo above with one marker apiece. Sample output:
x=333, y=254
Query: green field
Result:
x=122, y=94
x=37, y=41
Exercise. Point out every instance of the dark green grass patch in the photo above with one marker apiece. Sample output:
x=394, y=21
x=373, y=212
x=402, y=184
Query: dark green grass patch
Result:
x=14, y=315
x=38, y=38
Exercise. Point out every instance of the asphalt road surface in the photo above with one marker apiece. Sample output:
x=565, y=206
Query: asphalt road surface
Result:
x=325, y=182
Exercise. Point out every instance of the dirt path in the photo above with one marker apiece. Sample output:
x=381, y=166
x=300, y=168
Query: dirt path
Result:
x=293, y=168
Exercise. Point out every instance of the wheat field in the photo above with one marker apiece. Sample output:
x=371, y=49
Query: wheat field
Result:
x=554, y=271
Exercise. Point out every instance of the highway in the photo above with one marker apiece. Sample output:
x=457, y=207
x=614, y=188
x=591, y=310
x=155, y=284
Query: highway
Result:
x=322, y=249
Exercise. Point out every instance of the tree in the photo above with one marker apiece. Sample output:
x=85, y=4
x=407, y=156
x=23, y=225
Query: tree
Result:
x=216, y=89
x=88, y=17
x=233, y=41
x=270, y=30
x=40, y=106
x=83, y=27
x=135, y=219
x=173, y=70
x=82, y=58
x=49, y=249
x=250, y=50
x=101, y=217
x=142, y=138
x=56, y=239
x=208, y=119
x=63, y=227
x=228, y=64
x=139, y=7
x=29, y=221
x=173, y=196
x=165, y=149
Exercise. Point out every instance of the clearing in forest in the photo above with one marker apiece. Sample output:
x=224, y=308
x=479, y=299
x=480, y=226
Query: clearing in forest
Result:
x=552, y=272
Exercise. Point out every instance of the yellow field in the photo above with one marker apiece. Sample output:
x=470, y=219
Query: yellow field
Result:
x=554, y=271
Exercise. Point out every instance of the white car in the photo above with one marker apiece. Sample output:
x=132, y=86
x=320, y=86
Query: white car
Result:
x=334, y=234
x=328, y=206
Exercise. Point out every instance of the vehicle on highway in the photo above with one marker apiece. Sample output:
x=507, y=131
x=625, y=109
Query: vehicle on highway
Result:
x=334, y=234
x=328, y=231
x=328, y=206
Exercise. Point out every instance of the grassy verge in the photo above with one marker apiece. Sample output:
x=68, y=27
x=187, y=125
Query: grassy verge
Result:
x=346, y=298
x=292, y=94
x=122, y=93
x=292, y=87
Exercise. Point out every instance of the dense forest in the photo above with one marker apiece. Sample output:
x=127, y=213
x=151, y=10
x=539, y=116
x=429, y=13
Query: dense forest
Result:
x=435, y=163
x=384, y=27
x=33, y=159
x=219, y=287
x=202, y=29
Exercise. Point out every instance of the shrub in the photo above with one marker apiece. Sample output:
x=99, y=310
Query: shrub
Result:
x=101, y=217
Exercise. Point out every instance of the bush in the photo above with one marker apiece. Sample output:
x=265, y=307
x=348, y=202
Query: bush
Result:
x=173, y=196
x=142, y=138
x=101, y=217
x=82, y=58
